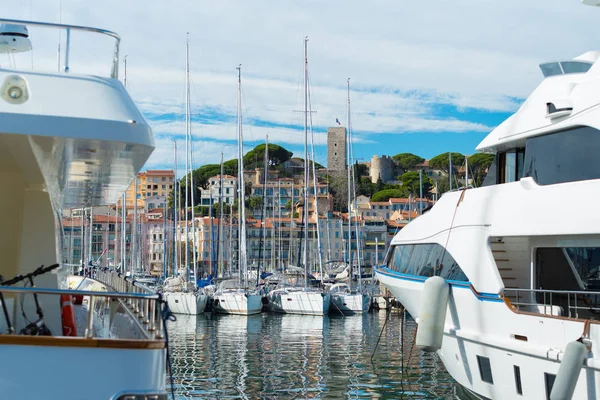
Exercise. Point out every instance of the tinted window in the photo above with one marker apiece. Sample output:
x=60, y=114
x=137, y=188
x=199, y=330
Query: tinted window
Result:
x=485, y=369
x=575, y=67
x=568, y=268
x=550, y=69
x=425, y=260
x=565, y=156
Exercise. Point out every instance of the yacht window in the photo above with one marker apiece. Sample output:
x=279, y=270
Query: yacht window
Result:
x=575, y=67
x=565, y=156
x=549, y=381
x=509, y=166
x=425, y=260
x=565, y=67
x=510, y=169
x=518, y=384
x=551, y=69
x=485, y=369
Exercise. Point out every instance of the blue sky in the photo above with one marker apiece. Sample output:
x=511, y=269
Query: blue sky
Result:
x=426, y=77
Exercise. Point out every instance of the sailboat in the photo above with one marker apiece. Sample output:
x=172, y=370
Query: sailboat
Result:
x=293, y=294
x=233, y=295
x=182, y=294
x=345, y=298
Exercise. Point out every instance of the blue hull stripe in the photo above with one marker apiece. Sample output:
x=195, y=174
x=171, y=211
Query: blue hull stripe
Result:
x=457, y=284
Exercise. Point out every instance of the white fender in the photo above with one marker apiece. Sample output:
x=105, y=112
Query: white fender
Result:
x=432, y=314
x=568, y=371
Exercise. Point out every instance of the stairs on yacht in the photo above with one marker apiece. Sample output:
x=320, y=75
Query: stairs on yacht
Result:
x=512, y=257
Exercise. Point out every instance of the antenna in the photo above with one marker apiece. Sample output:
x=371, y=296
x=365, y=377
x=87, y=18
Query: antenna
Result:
x=125, y=70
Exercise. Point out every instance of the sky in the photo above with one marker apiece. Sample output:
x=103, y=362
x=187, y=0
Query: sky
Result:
x=426, y=77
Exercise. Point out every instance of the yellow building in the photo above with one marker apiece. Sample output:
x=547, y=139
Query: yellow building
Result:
x=151, y=183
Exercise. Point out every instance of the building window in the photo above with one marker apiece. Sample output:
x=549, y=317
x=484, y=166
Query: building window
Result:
x=485, y=369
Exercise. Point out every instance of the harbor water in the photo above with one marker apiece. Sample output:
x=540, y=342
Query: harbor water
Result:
x=272, y=356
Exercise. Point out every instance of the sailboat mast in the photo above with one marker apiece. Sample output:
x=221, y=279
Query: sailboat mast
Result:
x=192, y=190
x=314, y=173
x=263, y=217
x=305, y=208
x=187, y=152
x=175, y=216
x=349, y=165
x=242, y=195
x=220, y=238
x=354, y=193
x=124, y=234
x=134, y=229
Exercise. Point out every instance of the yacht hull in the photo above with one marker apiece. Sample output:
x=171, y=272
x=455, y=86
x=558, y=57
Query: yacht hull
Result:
x=349, y=303
x=238, y=303
x=299, y=302
x=482, y=328
x=66, y=368
x=186, y=303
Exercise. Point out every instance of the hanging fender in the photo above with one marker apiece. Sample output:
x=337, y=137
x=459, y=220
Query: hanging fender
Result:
x=67, y=314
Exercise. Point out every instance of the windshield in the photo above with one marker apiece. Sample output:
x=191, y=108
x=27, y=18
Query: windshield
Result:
x=564, y=67
x=566, y=156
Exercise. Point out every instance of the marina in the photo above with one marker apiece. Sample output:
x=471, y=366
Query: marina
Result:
x=299, y=356
x=214, y=245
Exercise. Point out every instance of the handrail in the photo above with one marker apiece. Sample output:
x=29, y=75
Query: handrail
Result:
x=556, y=303
x=115, y=67
x=73, y=292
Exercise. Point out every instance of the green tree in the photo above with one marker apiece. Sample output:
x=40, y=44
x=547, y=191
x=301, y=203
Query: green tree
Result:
x=407, y=161
x=288, y=205
x=385, y=195
x=360, y=170
x=442, y=185
x=379, y=185
x=411, y=183
x=479, y=164
x=366, y=187
x=255, y=202
x=338, y=186
x=442, y=161
x=255, y=158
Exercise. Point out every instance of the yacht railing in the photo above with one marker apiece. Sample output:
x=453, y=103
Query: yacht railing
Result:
x=142, y=307
x=561, y=303
x=114, y=73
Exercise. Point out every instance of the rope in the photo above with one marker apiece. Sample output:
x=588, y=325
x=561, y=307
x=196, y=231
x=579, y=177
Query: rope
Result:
x=387, y=317
x=460, y=199
x=403, y=372
x=167, y=315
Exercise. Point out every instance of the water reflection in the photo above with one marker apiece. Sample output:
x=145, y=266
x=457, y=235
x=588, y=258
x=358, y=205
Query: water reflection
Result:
x=296, y=356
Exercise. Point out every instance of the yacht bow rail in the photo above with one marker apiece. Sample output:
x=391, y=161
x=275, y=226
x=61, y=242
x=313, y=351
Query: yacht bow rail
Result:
x=557, y=303
x=114, y=73
x=143, y=308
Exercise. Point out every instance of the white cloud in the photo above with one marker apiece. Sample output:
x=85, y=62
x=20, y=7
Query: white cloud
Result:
x=405, y=58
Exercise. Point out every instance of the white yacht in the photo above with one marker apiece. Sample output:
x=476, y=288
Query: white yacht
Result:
x=182, y=296
x=503, y=280
x=293, y=292
x=231, y=298
x=236, y=295
x=68, y=141
x=347, y=300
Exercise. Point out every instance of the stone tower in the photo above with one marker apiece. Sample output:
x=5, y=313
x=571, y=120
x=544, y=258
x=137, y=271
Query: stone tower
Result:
x=336, y=149
x=381, y=167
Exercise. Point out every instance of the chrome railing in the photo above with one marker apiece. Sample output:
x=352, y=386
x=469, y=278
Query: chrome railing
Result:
x=114, y=73
x=565, y=303
x=143, y=308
